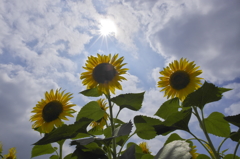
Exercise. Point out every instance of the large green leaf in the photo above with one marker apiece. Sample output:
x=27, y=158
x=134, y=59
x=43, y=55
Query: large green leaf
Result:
x=124, y=129
x=91, y=110
x=167, y=108
x=93, y=92
x=129, y=153
x=69, y=156
x=216, y=125
x=179, y=120
x=235, y=136
x=230, y=156
x=38, y=150
x=65, y=132
x=144, y=126
x=173, y=137
x=131, y=101
x=203, y=156
x=205, y=94
x=235, y=120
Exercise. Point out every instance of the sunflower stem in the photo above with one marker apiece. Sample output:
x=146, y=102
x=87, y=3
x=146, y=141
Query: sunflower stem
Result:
x=205, y=132
x=235, y=151
x=60, y=147
x=112, y=126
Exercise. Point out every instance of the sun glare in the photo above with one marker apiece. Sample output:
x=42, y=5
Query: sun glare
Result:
x=107, y=27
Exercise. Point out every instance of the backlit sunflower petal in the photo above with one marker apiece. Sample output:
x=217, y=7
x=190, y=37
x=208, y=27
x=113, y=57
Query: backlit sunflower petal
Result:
x=172, y=86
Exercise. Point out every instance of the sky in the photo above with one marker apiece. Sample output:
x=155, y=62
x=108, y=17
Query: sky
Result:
x=44, y=44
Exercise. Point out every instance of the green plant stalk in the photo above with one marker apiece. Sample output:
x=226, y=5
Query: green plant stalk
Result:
x=220, y=145
x=199, y=140
x=235, y=151
x=112, y=126
x=125, y=143
x=205, y=131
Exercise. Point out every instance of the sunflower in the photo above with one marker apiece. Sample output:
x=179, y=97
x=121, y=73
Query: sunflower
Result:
x=179, y=79
x=104, y=72
x=51, y=110
x=193, y=152
x=144, y=147
x=101, y=122
x=11, y=154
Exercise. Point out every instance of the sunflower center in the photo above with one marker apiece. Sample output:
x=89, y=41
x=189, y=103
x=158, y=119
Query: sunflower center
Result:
x=104, y=73
x=179, y=80
x=52, y=110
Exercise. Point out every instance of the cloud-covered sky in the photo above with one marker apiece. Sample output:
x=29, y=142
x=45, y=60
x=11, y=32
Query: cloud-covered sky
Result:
x=44, y=44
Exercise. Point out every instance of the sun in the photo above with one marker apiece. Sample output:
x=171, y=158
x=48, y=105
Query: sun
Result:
x=107, y=27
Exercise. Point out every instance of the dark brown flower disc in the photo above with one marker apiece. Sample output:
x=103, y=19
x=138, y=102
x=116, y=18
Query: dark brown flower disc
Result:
x=52, y=110
x=104, y=73
x=179, y=80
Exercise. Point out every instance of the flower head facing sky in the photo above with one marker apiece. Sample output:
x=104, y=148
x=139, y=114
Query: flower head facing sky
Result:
x=50, y=111
x=101, y=122
x=104, y=72
x=11, y=154
x=180, y=79
x=193, y=152
x=144, y=147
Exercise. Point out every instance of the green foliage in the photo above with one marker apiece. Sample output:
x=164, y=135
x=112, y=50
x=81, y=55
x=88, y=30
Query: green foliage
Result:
x=235, y=136
x=203, y=156
x=129, y=153
x=93, y=92
x=39, y=150
x=173, y=137
x=54, y=157
x=65, y=132
x=144, y=126
x=235, y=120
x=216, y=125
x=91, y=110
x=206, y=94
x=230, y=156
x=168, y=108
x=131, y=101
x=69, y=156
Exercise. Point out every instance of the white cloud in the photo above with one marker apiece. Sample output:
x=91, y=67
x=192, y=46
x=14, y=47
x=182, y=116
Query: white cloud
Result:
x=156, y=74
x=234, y=109
x=234, y=93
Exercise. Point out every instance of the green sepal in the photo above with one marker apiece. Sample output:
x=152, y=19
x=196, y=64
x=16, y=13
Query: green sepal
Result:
x=216, y=125
x=230, y=156
x=205, y=94
x=144, y=126
x=65, y=132
x=91, y=110
x=203, y=156
x=132, y=101
x=39, y=150
x=93, y=92
x=235, y=120
x=167, y=108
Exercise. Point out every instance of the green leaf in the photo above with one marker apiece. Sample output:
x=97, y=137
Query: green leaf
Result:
x=124, y=129
x=91, y=110
x=205, y=94
x=131, y=101
x=129, y=153
x=179, y=120
x=144, y=126
x=167, y=108
x=235, y=136
x=216, y=125
x=38, y=150
x=235, y=120
x=230, y=156
x=203, y=156
x=147, y=156
x=93, y=92
x=173, y=137
x=69, y=156
x=65, y=132
x=54, y=157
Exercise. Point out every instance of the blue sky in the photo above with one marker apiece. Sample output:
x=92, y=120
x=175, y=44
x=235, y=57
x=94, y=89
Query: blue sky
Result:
x=44, y=44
